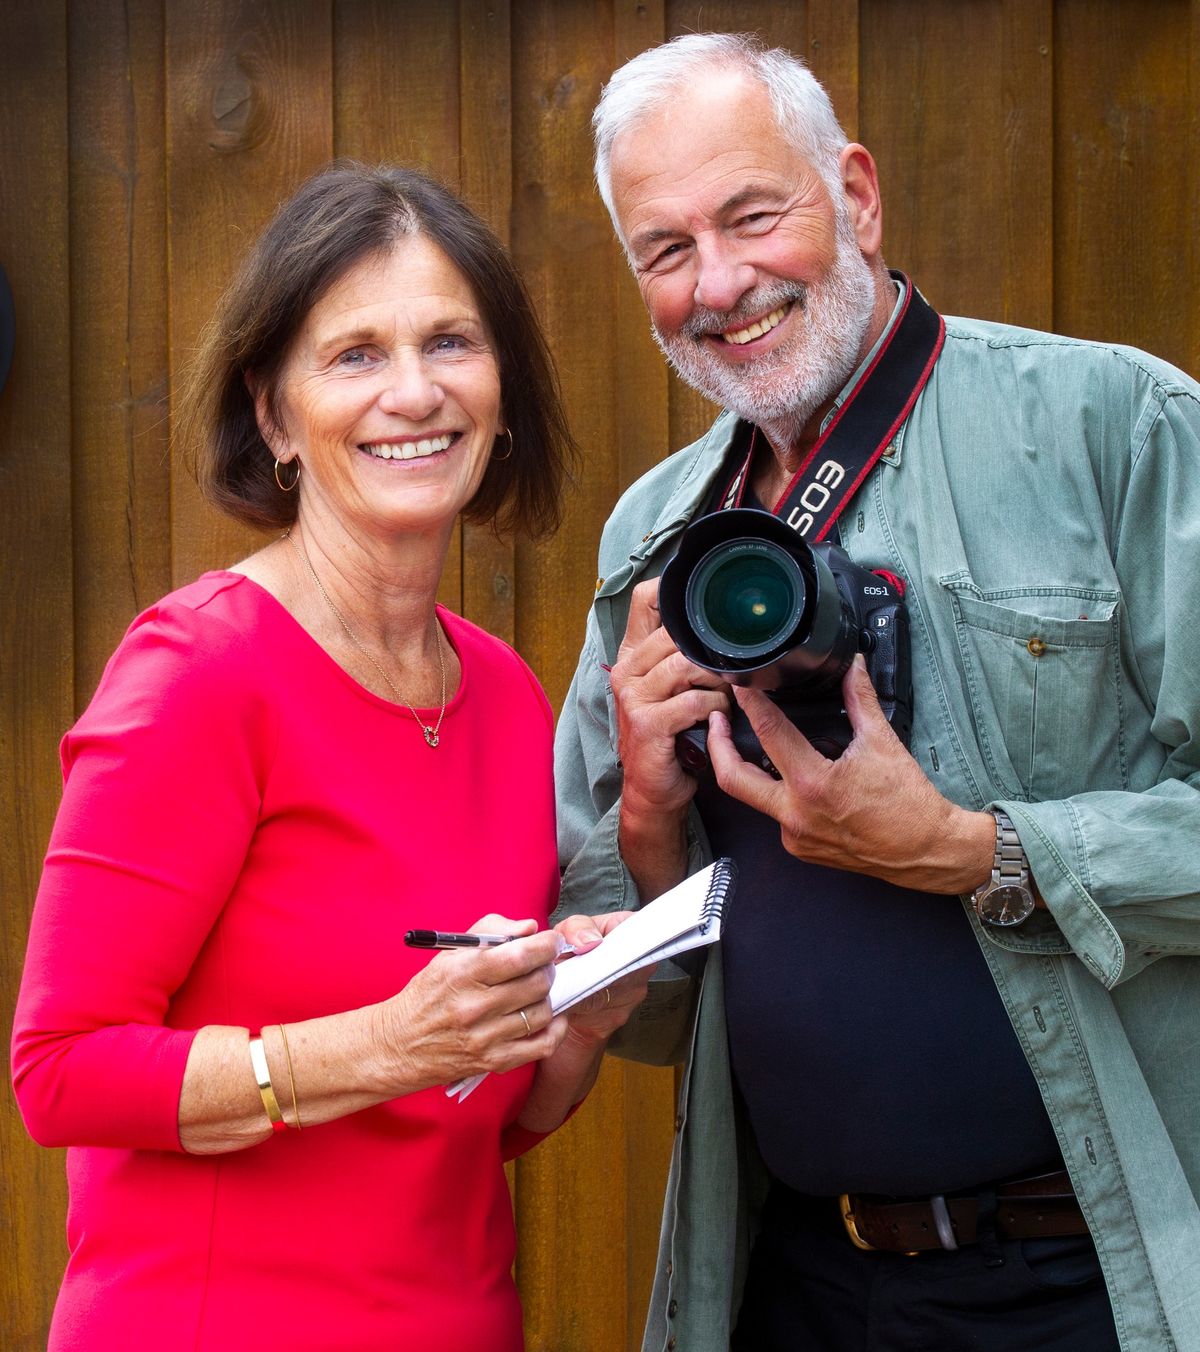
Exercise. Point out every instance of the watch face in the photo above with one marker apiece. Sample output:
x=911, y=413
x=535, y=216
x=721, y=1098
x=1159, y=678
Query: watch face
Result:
x=1006, y=905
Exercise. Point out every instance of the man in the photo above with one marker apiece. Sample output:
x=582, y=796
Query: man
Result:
x=957, y=981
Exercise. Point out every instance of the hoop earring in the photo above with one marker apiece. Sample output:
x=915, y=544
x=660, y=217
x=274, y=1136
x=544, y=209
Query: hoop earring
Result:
x=506, y=433
x=286, y=488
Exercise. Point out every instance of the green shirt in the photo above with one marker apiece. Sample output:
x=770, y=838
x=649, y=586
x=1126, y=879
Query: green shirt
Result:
x=1043, y=489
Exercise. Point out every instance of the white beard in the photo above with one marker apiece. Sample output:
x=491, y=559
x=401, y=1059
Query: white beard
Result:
x=780, y=390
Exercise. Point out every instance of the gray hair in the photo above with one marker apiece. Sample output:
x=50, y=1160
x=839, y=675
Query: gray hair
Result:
x=645, y=84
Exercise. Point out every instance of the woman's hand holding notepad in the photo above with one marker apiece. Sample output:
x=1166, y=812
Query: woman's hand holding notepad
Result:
x=688, y=916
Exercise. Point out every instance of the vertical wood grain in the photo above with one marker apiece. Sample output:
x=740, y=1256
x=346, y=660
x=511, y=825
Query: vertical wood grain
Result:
x=249, y=115
x=396, y=84
x=121, y=536
x=1027, y=200
x=642, y=399
x=1124, y=173
x=775, y=24
x=36, y=610
x=1192, y=363
x=960, y=138
x=571, y=1190
x=396, y=101
x=489, y=592
x=561, y=55
x=642, y=379
x=832, y=52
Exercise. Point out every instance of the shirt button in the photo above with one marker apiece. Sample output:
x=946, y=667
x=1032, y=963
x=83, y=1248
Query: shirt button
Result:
x=670, y=1267
x=599, y=583
x=670, y=1345
x=672, y=1309
x=1036, y=647
x=679, y=1124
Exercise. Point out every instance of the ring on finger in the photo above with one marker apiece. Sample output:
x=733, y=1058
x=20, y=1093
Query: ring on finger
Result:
x=525, y=1021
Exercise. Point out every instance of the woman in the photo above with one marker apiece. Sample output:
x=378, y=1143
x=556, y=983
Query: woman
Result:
x=287, y=766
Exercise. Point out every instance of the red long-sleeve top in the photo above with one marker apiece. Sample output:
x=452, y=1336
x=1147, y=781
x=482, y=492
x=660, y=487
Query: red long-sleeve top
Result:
x=244, y=837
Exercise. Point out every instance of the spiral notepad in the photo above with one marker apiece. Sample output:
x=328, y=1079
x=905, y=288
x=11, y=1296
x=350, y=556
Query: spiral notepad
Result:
x=688, y=916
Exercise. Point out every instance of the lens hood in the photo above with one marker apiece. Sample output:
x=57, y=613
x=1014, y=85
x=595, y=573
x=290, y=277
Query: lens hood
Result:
x=747, y=598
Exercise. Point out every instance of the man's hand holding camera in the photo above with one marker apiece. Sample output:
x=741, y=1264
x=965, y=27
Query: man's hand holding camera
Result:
x=873, y=810
x=658, y=693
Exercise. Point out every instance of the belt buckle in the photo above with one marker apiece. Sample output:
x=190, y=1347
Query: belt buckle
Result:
x=846, y=1209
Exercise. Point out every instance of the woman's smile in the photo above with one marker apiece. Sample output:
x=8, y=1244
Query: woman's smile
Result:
x=408, y=448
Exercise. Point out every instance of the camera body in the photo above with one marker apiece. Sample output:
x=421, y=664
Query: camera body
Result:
x=747, y=598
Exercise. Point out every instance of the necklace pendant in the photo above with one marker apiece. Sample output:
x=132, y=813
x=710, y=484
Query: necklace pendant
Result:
x=431, y=737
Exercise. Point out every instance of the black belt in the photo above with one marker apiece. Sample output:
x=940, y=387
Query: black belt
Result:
x=1043, y=1207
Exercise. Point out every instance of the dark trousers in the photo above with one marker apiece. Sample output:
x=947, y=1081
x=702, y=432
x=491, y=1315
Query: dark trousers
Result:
x=810, y=1290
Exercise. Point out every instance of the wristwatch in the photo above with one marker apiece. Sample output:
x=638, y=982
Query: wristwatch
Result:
x=1006, y=899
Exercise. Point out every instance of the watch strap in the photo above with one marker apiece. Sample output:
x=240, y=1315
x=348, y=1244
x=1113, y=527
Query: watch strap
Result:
x=1010, y=863
x=1007, y=898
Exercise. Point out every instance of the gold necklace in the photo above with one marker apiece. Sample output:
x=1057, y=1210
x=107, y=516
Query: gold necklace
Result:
x=431, y=733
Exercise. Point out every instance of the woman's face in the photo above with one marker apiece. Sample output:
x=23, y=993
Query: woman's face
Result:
x=390, y=395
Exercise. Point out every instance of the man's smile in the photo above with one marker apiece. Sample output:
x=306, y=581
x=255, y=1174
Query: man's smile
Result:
x=747, y=334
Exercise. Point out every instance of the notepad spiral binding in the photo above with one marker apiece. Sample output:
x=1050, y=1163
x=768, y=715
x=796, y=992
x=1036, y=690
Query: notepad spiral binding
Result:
x=724, y=876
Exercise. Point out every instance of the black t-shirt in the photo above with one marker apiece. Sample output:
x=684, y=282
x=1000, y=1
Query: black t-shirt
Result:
x=868, y=1040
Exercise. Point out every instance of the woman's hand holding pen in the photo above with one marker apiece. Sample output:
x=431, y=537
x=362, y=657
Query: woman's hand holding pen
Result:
x=475, y=1009
x=465, y=1012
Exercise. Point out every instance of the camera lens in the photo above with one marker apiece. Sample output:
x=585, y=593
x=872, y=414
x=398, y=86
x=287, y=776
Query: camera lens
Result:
x=745, y=598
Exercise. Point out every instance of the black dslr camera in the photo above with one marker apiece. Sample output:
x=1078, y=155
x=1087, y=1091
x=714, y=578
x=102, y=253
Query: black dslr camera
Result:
x=747, y=598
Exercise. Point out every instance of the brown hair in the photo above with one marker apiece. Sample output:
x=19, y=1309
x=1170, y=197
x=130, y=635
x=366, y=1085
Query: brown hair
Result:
x=340, y=216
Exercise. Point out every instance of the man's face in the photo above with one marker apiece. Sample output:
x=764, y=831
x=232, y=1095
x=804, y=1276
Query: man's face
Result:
x=751, y=272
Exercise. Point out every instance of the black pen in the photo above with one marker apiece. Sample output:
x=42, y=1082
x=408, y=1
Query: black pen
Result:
x=439, y=939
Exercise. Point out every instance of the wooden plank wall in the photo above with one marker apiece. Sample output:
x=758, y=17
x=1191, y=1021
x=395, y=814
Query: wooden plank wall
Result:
x=1040, y=161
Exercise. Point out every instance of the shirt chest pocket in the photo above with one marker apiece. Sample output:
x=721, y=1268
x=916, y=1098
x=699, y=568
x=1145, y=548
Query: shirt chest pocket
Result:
x=1041, y=671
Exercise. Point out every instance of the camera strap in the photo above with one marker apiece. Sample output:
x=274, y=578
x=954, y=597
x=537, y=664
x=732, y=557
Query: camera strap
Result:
x=862, y=427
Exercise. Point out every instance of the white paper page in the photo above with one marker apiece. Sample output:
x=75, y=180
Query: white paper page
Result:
x=662, y=928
